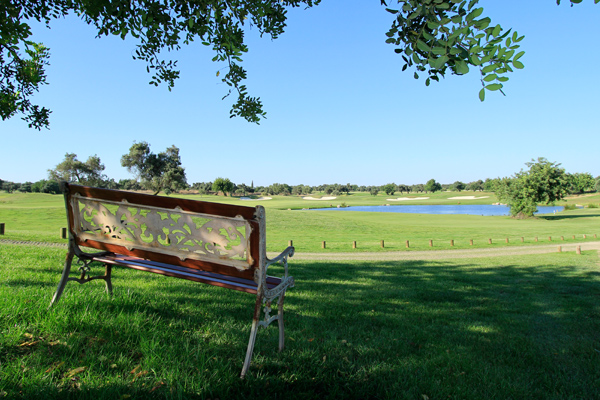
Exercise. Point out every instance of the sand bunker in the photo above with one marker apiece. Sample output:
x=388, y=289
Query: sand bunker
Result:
x=467, y=198
x=408, y=198
x=260, y=198
x=322, y=198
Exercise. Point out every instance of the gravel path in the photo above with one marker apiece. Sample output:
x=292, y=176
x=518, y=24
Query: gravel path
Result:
x=402, y=255
x=446, y=254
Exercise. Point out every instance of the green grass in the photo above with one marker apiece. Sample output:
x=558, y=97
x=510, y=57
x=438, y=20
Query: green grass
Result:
x=503, y=328
x=37, y=217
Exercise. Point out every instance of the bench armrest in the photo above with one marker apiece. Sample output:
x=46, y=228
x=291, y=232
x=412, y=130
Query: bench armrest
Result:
x=282, y=258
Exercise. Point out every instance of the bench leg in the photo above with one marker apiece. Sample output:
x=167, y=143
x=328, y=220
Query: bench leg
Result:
x=280, y=321
x=107, y=279
x=250, y=350
x=63, y=279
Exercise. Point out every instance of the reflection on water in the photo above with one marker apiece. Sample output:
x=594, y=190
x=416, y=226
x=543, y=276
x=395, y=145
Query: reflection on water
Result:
x=484, y=209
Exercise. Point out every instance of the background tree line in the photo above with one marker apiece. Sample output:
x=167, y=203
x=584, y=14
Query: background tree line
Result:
x=544, y=182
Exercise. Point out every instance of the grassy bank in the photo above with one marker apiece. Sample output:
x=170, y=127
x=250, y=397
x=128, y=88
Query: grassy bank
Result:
x=521, y=327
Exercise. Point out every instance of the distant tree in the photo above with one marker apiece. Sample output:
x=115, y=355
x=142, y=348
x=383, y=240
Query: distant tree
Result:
x=374, y=191
x=432, y=186
x=580, y=182
x=9, y=187
x=279, y=189
x=222, y=185
x=458, y=186
x=544, y=182
x=25, y=187
x=490, y=184
x=403, y=188
x=389, y=189
x=46, y=186
x=162, y=171
x=598, y=184
x=85, y=173
x=418, y=188
x=475, y=186
x=129, y=184
x=242, y=189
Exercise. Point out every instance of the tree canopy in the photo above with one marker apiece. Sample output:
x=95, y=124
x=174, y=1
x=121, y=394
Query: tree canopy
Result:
x=162, y=171
x=545, y=182
x=434, y=38
x=223, y=185
x=432, y=186
x=72, y=170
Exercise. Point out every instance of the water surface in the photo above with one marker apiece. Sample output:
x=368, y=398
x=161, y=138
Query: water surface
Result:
x=465, y=209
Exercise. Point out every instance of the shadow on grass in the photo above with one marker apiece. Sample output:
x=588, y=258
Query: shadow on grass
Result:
x=521, y=328
x=559, y=217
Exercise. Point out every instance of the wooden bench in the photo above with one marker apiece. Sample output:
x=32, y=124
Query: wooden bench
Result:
x=217, y=244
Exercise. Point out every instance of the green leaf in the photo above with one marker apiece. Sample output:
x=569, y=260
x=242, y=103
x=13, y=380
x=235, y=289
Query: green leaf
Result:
x=421, y=45
x=461, y=67
x=519, y=55
x=489, y=68
x=474, y=14
x=490, y=77
x=494, y=86
x=440, y=62
x=497, y=30
x=482, y=94
x=518, y=64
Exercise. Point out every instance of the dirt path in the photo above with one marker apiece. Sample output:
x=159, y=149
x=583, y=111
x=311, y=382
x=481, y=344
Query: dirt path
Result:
x=404, y=255
x=445, y=254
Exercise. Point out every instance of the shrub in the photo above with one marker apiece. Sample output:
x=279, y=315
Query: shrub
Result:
x=592, y=205
x=570, y=207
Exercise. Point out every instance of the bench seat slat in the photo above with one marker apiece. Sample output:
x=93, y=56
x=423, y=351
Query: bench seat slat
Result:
x=211, y=278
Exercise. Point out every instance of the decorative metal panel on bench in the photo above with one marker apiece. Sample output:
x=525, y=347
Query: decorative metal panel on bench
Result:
x=217, y=244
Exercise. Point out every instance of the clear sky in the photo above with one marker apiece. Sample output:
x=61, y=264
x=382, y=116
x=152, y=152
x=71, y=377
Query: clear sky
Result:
x=339, y=109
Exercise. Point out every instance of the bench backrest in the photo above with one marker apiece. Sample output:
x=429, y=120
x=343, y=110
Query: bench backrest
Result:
x=215, y=237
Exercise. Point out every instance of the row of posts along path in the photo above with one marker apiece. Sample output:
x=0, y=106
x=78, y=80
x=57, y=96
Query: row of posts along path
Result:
x=404, y=255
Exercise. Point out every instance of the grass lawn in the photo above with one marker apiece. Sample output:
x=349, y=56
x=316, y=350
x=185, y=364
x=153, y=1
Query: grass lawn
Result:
x=39, y=217
x=503, y=328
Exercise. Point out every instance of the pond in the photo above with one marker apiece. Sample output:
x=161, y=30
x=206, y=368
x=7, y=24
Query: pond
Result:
x=485, y=209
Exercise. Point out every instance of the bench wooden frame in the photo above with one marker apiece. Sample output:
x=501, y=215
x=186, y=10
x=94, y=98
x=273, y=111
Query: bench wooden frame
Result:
x=217, y=244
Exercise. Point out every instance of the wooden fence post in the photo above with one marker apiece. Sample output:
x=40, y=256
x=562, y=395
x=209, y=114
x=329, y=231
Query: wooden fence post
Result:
x=536, y=239
x=471, y=242
x=506, y=240
x=549, y=238
x=578, y=250
x=562, y=238
x=585, y=236
x=559, y=249
x=430, y=243
x=323, y=244
x=382, y=244
x=354, y=244
x=573, y=237
x=452, y=242
x=489, y=241
x=291, y=243
x=2, y=228
x=407, y=244
x=63, y=233
x=522, y=239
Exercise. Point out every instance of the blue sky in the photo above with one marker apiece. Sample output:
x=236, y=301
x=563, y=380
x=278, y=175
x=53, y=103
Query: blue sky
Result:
x=339, y=109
